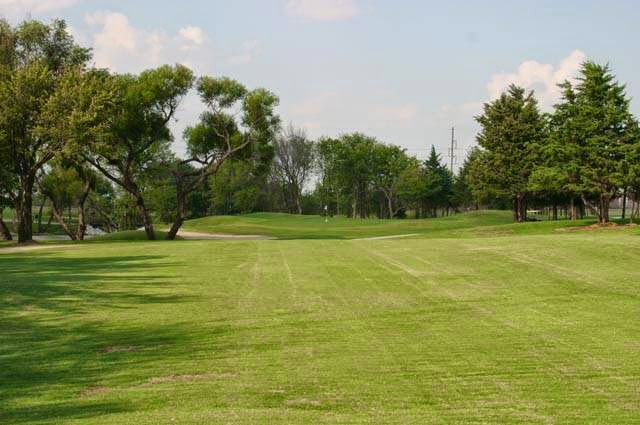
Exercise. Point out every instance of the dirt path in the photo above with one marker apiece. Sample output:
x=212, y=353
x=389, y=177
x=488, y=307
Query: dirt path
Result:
x=26, y=248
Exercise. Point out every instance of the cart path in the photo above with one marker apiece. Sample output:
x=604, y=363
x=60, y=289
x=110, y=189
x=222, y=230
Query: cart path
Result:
x=34, y=247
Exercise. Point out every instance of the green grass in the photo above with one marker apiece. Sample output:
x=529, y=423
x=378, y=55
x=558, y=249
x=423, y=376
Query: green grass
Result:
x=527, y=326
x=286, y=226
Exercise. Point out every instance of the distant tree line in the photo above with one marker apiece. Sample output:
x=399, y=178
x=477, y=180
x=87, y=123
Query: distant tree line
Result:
x=81, y=146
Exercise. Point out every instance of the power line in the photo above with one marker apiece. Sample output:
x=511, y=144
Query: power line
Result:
x=452, y=149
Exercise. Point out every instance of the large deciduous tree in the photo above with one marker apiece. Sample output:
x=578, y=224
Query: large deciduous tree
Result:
x=355, y=167
x=510, y=127
x=390, y=163
x=238, y=122
x=293, y=163
x=41, y=75
x=138, y=137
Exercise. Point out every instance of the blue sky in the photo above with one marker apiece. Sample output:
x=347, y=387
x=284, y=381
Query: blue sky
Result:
x=403, y=71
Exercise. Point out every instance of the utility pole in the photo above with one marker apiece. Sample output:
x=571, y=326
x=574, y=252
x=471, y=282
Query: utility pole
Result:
x=452, y=149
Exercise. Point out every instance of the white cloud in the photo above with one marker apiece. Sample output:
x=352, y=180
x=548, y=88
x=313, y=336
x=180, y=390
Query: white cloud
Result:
x=192, y=34
x=530, y=74
x=541, y=77
x=22, y=7
x=122, y=47
x=322, y=10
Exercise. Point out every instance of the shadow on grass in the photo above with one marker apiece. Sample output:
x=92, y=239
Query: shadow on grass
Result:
x=58, y=333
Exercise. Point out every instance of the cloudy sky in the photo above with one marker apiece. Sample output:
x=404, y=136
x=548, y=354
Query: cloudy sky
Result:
x=404, y=71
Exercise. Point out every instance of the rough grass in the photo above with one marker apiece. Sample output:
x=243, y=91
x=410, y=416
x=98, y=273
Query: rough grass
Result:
x=510, y=329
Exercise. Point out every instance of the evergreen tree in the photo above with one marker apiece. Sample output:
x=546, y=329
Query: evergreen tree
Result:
x=438, y=186
x=511, y=126
x=595, y=137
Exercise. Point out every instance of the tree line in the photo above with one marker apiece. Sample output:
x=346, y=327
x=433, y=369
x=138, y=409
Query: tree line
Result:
x=579, y=157
x=88, y=145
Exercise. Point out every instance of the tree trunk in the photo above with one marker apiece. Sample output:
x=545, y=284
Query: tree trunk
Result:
x=82, y=225
x=603, y=213
x=624, y=204
x=146, y=217
x=519, y=209
x=574, y=211
x=296, y=197
x=44, y=199
x=298, y=205
x=24, y=207
x=354, y=205
x=58, y=215
x=4, y=230
x=555, y=211
x=181, y=215
x=592, y=208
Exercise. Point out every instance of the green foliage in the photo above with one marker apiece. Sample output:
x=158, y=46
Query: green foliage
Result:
x=511, y=127
x=594, y=137
x=220, y=93
x=136, y=142
x=63, y=184
x=427, y=187
x=139, y=137
x=234, y=188
x=42, y=80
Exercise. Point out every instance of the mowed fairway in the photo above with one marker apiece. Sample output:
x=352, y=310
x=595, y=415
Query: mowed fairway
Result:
x=516, y=329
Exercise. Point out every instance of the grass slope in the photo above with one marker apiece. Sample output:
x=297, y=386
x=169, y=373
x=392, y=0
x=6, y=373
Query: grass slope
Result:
x=286, y=226
x=539, y=329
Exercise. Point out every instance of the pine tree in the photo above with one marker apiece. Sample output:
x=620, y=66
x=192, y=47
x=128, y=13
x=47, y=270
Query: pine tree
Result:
x=595, y=135
x=511, y=126
x=438, y=184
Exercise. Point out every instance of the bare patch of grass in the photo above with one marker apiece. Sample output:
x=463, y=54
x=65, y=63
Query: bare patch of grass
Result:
x=187, y=378
x=93, y=391
x=119, y=349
